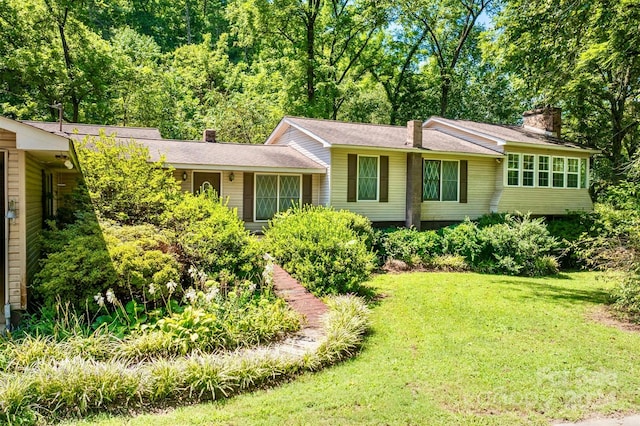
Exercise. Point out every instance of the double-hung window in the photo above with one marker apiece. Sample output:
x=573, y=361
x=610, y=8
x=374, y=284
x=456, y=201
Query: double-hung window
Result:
x=275, y=193
x=367, y=178
x=543, y=170
x=573, y=172
x=440, y=180
x=558, y=172
x=583, y=172
x=513, y=169
x=528, y=169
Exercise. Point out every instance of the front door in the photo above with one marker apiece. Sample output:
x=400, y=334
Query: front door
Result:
x=202, y=180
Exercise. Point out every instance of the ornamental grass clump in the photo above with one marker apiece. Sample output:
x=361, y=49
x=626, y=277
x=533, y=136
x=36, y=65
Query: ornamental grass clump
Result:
x=76, y=386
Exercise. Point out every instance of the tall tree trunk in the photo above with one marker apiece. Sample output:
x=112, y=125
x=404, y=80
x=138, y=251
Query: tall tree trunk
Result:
x=445, y=88
x=187, y=18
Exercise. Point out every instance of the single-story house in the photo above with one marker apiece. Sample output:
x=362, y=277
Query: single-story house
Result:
x=423, y=174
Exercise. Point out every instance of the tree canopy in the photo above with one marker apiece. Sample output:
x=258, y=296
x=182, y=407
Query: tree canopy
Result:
x=238, y=66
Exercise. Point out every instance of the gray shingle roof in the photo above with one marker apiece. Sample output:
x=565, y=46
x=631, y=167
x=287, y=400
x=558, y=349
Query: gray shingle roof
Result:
x=94, y=129
x=509, y=133
x=383, y=136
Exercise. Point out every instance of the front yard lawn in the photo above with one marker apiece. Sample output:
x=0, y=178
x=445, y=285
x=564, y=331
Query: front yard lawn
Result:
x=458, y=349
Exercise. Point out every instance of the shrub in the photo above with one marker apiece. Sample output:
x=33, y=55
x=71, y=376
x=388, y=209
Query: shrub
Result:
x=214, y=239
x=449, y=263
x=89, y=258
x=462, y=240
x=626, y=297
x=409, y=245
x=320, y=247
x=122, y=182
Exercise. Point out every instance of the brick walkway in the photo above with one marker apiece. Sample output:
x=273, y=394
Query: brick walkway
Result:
x=299, y=298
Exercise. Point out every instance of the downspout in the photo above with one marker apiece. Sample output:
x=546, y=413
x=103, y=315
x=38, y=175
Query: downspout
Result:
x=7, y=305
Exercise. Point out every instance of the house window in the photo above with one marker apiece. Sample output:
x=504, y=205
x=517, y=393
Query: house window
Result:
x=583, y=172
x=528, y=170
x=558, y=172
x=440, y=180
x=367, y=178
x=431, y=180
x=573, y=169
x=543, y=171
x=513, y=169
x=275, y=193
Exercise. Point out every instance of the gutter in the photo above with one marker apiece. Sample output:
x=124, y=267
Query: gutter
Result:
x=7, y=305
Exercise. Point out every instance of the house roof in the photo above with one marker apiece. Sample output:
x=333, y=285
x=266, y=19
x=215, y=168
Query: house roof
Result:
x=503, y=134
x=195, y=154
x=338, y=133
x=69, y=129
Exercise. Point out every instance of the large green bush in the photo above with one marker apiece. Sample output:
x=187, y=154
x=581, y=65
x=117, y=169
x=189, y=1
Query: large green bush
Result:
x=213, y=238
x=87, y=258
x=328, y=251
x=123, y=184
x=409, y=245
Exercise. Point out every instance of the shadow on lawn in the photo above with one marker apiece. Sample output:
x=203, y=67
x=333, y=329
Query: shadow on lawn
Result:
x=530, y=289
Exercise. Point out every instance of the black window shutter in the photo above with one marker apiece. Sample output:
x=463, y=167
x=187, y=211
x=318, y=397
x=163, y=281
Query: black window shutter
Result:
x=463, y=180
x=384, y=178
x=247, y=198
x=352, y=177
x=306, y=189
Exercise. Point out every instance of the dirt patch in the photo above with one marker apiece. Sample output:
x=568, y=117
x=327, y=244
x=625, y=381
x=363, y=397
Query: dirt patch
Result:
x=604, y=315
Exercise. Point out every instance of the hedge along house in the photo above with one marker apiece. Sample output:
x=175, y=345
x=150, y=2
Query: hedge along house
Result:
x=442, y=171
x=34, y=165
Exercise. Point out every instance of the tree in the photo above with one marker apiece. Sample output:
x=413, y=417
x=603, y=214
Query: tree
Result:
x=585, y=57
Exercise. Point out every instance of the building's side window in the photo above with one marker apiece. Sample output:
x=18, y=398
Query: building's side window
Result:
x=558, y=172
x=367, y=178
x=440, y=180
x=449, y=181
x=513, y=169
x=528, y=170
x=583, y=172
x=573, y=170
x=431, y=180
x=275, y=193
x=543, y=171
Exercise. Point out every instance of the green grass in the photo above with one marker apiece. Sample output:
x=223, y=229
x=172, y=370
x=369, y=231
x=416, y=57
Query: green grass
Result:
x=456, y=349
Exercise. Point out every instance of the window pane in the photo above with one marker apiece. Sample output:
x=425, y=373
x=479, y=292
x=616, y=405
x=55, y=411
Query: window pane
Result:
x=289, y=191
x=543, y=170
x=572, y=180
x=572, y=165
x=449, y=181
x=558, y=164
x=513, y=169
x=528, y=165
x=266, y=196
x=583, y=173
x=431, y=180
x=367, y=178
x=558, y=180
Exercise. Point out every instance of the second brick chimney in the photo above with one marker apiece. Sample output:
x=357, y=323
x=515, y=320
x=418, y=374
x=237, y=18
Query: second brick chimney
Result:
x=414, y=133
x=546, y=120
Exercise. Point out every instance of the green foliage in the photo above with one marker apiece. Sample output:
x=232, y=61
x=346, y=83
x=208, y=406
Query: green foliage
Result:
x=213, y=239
x=409, y=245
x=328, y=251
x=86, y=259
x=449, y=263
x=626, y=297
x=515, y=245
x=75, y=385
x=124, y=185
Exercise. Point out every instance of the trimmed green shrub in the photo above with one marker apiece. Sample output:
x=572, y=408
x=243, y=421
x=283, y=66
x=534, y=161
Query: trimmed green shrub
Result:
x=462, y=240
x=321, y=248
x=409, y=245
x=88, y=258
x=449, y=263
x=213, y=238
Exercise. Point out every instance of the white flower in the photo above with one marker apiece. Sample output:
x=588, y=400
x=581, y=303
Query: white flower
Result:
x=190, y=295
x=211, y=294
x=171, y=286
x=152, y=289
x=99, y=299
x=203, y=277
x=193, y=272
x=252, y=288
x=111, y=297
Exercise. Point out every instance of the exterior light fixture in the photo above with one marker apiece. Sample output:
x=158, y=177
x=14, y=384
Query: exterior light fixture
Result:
x=231, y=177
x=184, y=176
x=68, y=164
x=11, y=211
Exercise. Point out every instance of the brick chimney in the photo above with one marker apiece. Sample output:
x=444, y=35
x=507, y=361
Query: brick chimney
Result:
x=414, y=133
x=546, y=120
x=209, y=135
